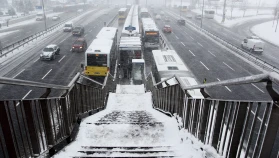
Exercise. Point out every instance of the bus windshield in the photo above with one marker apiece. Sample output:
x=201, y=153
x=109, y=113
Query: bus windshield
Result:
x=96, y=60
x=152, y=37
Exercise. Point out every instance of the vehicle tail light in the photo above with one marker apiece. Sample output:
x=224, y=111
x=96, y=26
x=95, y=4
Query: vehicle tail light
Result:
x=108, y=69
x=80, y=47
x=73, y=47
x=85, y=68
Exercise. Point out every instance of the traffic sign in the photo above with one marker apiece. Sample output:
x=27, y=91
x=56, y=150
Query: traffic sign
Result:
x=130, y=28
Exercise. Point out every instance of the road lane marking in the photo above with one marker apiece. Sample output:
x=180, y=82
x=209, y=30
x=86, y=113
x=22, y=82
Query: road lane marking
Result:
x=225, y=86
x=259, y=119
x=185, y=32
x=204, y=65
x=176, y=37
x=211, y=53
x=24, y=96
x=257, y=87
x=253, y=112
x=47, y=73
x=18, y=73
x=36, y=60
x=85, y=35
x=192, y=53
x=62, y=40
x=200, y=44
x=61, y=59
x=90, y=31
x=228, y=66
x=182, y=43
x=27, y=94
x=191, y=37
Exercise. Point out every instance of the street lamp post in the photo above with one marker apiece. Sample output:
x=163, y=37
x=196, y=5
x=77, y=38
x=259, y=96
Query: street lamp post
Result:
x=224, y=12
x=202, y=12
x=44, y=14
x=180, y=8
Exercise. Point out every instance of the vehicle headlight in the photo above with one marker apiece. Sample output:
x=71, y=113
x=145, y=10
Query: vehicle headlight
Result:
x=41, y=55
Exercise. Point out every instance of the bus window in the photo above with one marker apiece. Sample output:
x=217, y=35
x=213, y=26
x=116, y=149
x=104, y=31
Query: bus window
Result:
x=96, y=60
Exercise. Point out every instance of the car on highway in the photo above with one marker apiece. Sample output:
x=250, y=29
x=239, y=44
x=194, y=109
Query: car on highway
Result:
x=80, y=45
x=80, y=10
x=68, y=27
x=167, y=29
x=189, y=15
x=167, y=19
x=55, y=18
x=158, y=17
x=198, y=16
x=78, y=31
x=49, y=52
x=181, y=22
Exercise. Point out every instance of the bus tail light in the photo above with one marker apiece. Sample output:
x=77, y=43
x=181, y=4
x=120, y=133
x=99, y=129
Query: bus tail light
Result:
x=108, y=69
x=85, y=68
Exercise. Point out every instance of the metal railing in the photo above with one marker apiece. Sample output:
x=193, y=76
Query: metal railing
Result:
x=233, y=128
x=39, y=127
x=249, y=56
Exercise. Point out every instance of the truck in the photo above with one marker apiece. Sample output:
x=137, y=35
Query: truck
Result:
x=253, y=44
x=40, y=16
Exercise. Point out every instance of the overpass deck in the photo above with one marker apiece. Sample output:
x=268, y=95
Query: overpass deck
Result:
x=129, y=127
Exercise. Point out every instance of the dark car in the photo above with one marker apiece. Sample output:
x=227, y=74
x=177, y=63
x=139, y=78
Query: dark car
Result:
x=181, y=22
x=80, y=45
x=78, y=31
x=167, y=29
x=198, y=16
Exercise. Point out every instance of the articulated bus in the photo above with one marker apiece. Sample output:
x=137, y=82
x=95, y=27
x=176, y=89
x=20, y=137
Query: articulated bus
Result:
x=166, y=63
x=150, y=34
x=100, y=55
x=209, y=14
x=122, y=14
x=144, y=13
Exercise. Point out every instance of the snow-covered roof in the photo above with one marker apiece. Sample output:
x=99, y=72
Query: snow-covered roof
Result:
x=107, y=33
x=132, y=20
x=51, y=46
x=149, y=25
x=137, y=60
x=130, y=43
x=144, y=10
x=122, y=10
x=100, y=46
x=168, y=60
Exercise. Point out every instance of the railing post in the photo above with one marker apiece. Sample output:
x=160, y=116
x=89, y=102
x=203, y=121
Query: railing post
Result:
x=7, y=132
x=32, y=131
x=204, y=118
x=241, y=111
x=65, y=113
x=47, y=118
x=217, y=123
x=271, y=133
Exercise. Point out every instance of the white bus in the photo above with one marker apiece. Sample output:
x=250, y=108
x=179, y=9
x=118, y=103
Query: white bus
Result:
x=166, y=64
x=108, y=33
x=150, y=34
x=98, y=58
x=209, y=14
x=144, y=13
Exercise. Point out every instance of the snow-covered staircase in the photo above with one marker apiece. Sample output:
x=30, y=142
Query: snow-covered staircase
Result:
x=128, y=127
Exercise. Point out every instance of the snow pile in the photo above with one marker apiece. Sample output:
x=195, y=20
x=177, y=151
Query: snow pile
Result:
x=129, y=89
x=237, y=18
x=267, y=32
x=3, y=34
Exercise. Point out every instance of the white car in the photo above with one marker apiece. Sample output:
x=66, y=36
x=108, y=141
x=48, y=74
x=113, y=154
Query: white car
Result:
x=80, y=10
x=68, y=27
x=55, y=18
x=49, y=52
x=158, y=17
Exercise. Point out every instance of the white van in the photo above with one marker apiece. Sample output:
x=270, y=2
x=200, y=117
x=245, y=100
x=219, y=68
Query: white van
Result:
x=68, y=27
x=253, y=44
x=40, y=16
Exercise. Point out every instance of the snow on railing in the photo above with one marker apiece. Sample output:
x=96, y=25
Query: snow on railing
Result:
x=232, y=127
x=40, y=127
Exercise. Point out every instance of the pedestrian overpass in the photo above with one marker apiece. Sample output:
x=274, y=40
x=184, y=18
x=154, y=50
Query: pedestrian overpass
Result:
x=112, y=120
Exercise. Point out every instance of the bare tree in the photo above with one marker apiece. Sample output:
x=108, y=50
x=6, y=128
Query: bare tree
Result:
x=244, y=6
x=232, y=6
